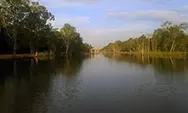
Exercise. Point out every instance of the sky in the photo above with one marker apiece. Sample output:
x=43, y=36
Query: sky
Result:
x=103, y=21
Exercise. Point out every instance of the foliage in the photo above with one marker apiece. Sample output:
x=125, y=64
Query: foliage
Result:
x=72, y=41
x=27, y=28
x=169, y=38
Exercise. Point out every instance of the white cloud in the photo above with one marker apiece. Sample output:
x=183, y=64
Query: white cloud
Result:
x=150, y=15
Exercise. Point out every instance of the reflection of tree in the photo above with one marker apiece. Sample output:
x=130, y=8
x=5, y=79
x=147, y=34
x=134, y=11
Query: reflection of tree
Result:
x=94, y=56
x=66, y=84
x=30, y=90
x=163, y=65
x=25, y=91
x=168, y=74
x=168, y=85
x=69, y=67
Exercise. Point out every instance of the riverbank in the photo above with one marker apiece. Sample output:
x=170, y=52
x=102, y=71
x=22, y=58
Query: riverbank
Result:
x=177, y=55
x=42, y=55
x=17, y=56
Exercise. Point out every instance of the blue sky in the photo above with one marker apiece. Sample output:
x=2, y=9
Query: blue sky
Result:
x=102, y=21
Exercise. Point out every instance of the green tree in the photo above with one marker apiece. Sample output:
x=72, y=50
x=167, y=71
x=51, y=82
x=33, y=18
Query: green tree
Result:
x=168, y=38
x=174, y=33
x=28, y=26
x=68, y=34
x=37, y=24
x=13, y=12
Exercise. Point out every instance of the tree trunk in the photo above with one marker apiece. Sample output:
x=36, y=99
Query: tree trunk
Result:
x=142, y=48
x=67, y=50
x=155, y=47
x=15, y=40
x=31, y=48
x=172, y=47
x=53, y=49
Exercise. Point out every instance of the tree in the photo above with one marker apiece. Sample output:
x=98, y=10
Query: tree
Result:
x=13, y=12
x=86, y=47
x=27, y=28
x=37, y=24
x=175, y=33
x=1, y=19
x=168, y=38
x=68, y=34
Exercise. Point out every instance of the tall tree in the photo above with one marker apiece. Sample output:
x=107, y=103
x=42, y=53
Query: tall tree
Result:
x=13, y=12
x=27, y=28
x=175, y=33
x=68, y=33
x=37, y=24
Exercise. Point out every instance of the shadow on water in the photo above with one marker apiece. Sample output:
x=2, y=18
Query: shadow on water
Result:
x=170, y=75
x=118, y=83
x=25, y=84
x=163, y=65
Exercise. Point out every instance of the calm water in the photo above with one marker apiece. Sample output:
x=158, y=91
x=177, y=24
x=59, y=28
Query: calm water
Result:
x=97, y=84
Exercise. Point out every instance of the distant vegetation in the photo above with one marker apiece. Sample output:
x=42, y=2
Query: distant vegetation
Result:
x=168, y=38
x=25, y=27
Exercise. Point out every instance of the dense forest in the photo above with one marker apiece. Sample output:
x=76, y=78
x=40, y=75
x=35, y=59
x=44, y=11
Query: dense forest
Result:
x=168, y=38
x=25, y=27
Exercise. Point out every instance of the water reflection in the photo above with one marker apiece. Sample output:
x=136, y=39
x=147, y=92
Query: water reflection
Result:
x=163, y=65
x=94, y=56
x=65, y=85
x=170, y=75
x=27, y=87
x=111, y=84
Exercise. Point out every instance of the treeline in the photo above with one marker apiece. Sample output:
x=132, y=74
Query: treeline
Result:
x=25, y=27
x=168, y=38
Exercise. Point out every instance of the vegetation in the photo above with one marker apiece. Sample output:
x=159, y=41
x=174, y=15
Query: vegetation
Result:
x=25, y=27
x=169, y=38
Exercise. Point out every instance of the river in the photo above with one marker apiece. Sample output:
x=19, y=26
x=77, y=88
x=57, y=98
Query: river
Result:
x=95, y=84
